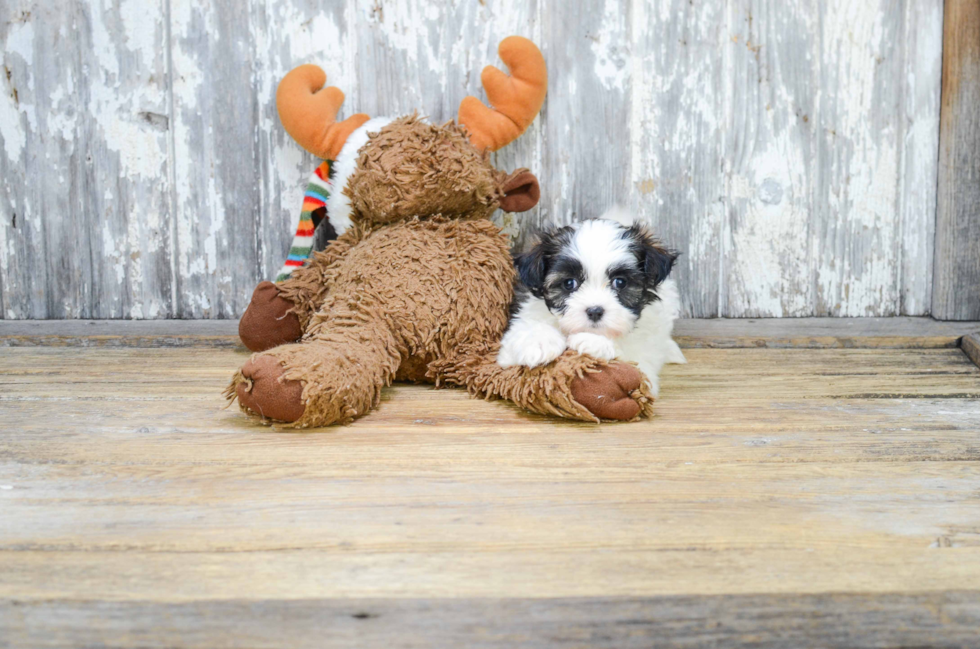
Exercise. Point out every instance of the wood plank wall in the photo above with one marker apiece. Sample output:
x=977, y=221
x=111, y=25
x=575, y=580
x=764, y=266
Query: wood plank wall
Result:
x=957, y=261
x=788, y=147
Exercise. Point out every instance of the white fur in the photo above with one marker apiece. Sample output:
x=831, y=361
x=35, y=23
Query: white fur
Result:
x=533, y=337
x=649, y=345
x=338, y=204
x=536, y=336
x=593, y=345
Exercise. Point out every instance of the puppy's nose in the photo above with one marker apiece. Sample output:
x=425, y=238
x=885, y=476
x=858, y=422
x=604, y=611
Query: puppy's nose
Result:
x=595, y=313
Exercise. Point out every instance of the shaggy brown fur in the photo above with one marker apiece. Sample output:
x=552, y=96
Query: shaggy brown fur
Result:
x=414, y=168
x=418, y=289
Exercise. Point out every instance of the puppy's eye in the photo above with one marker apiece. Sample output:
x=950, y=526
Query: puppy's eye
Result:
x=570, y=284
x=618, y=283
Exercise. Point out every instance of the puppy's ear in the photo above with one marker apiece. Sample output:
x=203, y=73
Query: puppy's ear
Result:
x=531, y=269
x=656, y=260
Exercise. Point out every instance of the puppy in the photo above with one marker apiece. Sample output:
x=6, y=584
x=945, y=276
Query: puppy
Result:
x=600, y=288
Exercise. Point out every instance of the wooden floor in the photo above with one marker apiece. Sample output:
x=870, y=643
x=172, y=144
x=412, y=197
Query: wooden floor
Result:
x=781, y=497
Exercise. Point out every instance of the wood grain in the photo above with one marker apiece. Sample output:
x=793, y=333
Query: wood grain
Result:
x=971, y=347
x=85, y=213
x=956, y=275
x=760, y=621
x=588, y=110
x=791, y=333
x=774, y=490
x=789, y=149
x=679, y=116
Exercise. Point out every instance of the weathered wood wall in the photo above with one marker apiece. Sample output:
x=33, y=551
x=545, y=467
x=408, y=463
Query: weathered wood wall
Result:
x=957, y=259
x=788, y=147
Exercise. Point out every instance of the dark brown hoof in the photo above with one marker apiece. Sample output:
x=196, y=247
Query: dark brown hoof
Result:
x=265, y=393
x=266, y=322
x=606, y=394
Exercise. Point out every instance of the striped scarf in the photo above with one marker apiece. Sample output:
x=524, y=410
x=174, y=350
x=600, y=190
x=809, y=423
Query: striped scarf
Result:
x=309, y=218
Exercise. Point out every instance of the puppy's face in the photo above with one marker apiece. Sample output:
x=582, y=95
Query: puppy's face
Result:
x=596, y=276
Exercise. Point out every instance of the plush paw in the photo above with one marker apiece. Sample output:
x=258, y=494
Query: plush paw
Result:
x=531, y=347
x=592, y=345
x=266, y=393
x=607, y=393
x=267, y=322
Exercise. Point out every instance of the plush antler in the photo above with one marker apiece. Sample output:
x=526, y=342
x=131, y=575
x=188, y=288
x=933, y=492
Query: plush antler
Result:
x=309, y=111
x=516, y=99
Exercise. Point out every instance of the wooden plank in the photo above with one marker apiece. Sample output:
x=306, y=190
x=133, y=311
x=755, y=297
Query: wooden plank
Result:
x=120, y=333
x=585, y=150
x=194, y=377
x=894, y=332
x=139, y=513
x=956, y=274
x=770, y=151
x=217, y=178
x=857, y=249
x=971, y=347
x=813, y=333
x=85, y=213
x=677, y=123
x=761, y=621
x=22, y=268
x=918, y=141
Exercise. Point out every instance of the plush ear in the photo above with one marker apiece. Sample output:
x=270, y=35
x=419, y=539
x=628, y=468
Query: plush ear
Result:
x=520, y=192
x=532, y=268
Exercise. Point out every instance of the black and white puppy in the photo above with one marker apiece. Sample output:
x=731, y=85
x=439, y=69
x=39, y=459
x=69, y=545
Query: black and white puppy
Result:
x=599, y=287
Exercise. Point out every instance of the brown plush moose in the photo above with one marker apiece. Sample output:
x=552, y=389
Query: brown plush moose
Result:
x=418, y=284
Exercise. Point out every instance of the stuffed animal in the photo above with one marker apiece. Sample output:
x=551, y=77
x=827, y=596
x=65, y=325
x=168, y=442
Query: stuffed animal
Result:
x=418, y=283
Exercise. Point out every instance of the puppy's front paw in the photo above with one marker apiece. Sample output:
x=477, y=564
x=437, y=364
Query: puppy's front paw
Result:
x=530, y=348
x=592, y=345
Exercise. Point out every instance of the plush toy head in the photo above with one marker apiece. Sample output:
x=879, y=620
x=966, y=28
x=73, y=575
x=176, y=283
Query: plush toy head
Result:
x=384, y=170
x=414, y=168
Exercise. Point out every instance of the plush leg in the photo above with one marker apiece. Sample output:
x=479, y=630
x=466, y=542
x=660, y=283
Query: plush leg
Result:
x=279, y=313
x=573, y=386
x=333, y=376
x=261, y=389
x=269, y=320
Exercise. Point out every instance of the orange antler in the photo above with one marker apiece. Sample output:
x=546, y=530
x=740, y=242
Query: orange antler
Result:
x=516, y=99
x=309, y=112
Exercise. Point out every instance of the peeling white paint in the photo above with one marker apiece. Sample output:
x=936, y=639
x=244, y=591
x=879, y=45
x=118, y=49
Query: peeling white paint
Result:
x=20, y=41
x=20, y=44
x=11, y=129
x=115, y=108
x=611, y=48
x=770, y=149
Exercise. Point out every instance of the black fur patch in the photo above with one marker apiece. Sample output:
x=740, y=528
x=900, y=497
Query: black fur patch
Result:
x=654, y=262
x=534, y=265
x=561, y=269
x=634, y=294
